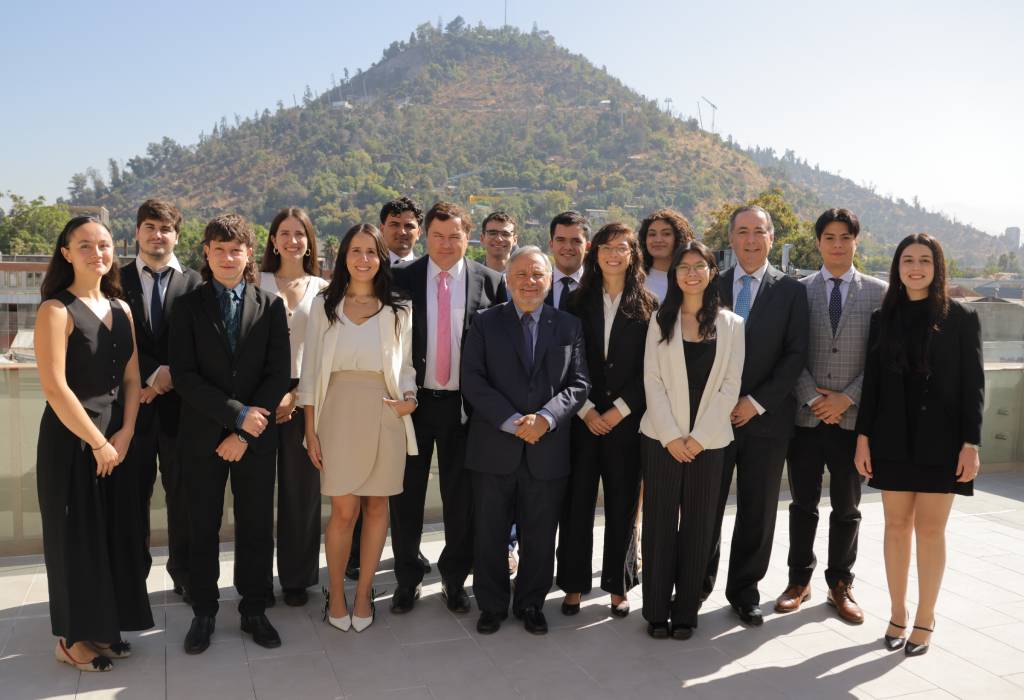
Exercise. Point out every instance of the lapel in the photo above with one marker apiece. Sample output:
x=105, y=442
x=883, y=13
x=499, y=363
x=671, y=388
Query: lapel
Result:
x=212, y=309
x=418, y=292
x=545, y=331
x=510, y=319
x=851, y=294
x=132, y=286
x=175, y=284
x=595, y=311
x=725, y=286
x=386, y=325
x=474, y=287
x=248, y=315
x=771, y=275
x=549, y=299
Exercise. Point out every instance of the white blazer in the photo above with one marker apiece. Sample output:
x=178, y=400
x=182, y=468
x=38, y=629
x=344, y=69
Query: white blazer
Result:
x=668, y=394
x=318, y=361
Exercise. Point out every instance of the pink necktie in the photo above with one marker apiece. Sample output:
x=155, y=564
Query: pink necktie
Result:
x=443, y=355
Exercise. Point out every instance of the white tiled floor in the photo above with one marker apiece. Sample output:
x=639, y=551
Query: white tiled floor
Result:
x=432, y=654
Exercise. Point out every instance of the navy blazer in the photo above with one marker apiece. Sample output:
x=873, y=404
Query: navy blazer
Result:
x=496, y=384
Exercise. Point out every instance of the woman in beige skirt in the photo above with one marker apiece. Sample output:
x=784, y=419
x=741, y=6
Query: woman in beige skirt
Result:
x=358, y=387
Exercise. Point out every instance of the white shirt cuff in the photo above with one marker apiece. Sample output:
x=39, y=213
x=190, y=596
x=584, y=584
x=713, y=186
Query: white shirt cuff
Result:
x=152, y=378
x=587, y=405
x=622, y=406
x=757, y=406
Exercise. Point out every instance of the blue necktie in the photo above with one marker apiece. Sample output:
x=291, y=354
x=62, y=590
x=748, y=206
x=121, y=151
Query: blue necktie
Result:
x=527, y=321
x=742, y=306
x=156, y=302
x=835, y=305
x=229, y=306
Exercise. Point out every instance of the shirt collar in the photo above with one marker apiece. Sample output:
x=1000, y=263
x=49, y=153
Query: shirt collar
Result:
x=535, y=313
x=433, y=270
x=757, y=274
x=611, y=300
x=395, y=259
x=172, y=264
x=845, y=277
x=558, y=274
x=238, y=290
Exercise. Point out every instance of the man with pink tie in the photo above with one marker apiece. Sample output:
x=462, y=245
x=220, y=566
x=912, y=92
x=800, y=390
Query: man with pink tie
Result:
x=446, y=291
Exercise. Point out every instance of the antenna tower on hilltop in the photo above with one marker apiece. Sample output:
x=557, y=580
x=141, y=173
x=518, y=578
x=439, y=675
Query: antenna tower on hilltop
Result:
x=714, y=110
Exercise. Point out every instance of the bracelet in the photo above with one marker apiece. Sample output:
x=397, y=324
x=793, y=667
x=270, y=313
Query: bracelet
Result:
x=105, y=443
x=412, y=398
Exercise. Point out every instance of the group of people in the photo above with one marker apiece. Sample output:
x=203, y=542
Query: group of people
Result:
x=621, y=359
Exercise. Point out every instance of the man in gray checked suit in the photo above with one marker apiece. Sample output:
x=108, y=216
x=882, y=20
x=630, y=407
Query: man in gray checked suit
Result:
x=841, y=300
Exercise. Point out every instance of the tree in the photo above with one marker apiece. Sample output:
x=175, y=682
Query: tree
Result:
x=31, y=226
x=456, y=26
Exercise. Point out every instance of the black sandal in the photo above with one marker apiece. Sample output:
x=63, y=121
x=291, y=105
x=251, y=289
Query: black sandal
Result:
x=912, y=649
x=895, y=643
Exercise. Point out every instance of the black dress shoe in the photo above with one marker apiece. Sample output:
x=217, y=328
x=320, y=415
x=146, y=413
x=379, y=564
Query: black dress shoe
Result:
x=657, y=630
x=263, y=633
x=570, y=609
x=455, y=597
x=295, y=597
x=405, y=599
x=198, y=638
x=681, y=631
x=533, y=619
x=490, y=622
x=352, y=571
x=424, y=562
x=749, y=615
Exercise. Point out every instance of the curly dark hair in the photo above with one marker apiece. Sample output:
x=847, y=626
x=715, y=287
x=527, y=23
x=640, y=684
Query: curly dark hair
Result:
x=60, y=274
x=397, y=207
x=680, y=227
x=230, y=227
x=636, y=303
x=668, y=313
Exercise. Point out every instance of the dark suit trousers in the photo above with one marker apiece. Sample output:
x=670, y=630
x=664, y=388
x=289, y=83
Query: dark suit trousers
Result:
x=252, y=489
x=438, y=420
x=298, y=509
x=809, y=452
x=758, y=463
x=678, y=530
x=535, y=505
x=613, y=460
x=147, y=447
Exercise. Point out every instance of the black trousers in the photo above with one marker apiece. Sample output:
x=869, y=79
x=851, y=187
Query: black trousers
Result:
x=252, y=488
x=438, y=421
x=680, y=502
x=149, y=446
x=758, y=463
x=298, y=509
x=614, y=460
x=534, y=504
x=809, y=452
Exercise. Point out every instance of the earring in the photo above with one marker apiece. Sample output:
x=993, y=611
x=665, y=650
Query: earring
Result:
x=276, y=251
x=308, y=253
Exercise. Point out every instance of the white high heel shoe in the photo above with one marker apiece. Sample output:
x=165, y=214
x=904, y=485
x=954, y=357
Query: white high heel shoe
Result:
x=341, y=623
x=361, y=623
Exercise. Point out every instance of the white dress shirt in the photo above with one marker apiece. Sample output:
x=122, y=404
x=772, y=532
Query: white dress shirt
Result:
x=557, y=286
x=146, y=280
x=457, y=291
x=657, y=283
x=755, y=284
x=395, y=260
x=844, y=286
x=611, y=307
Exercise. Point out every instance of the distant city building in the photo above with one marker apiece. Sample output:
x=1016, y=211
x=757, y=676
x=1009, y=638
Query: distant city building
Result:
x=1012, y=237
x=99, y=212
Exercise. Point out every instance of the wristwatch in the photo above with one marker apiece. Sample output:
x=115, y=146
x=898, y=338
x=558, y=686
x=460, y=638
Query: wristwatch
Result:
x=972, y=445
x=242, y=438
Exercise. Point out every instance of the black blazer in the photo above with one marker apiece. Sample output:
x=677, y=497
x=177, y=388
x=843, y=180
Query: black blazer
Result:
x=954, y=395
x=214, y=383
x=153, y=349
x=777, y=337
x=484, y=288
x=496, y=384
x=621, y=373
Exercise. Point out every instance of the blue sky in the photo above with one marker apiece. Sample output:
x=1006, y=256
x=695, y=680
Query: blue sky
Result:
x=917, y=98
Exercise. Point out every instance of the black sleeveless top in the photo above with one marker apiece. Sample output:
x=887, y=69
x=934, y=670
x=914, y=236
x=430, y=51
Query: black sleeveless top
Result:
x=96, y=357
x=699, y=357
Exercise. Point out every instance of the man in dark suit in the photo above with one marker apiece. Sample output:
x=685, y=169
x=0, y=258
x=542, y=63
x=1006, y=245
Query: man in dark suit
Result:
x=524, y=373
x=230, y=361
x=152, y=285
x=446, y=290
x=570, y=238
x=774, y=308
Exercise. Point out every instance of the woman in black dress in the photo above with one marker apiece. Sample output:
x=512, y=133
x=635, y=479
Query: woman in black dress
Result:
x=89, y=372
x=919, y=424
x=615, y=308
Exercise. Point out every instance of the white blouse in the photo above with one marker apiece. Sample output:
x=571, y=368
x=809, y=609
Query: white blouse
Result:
x=657, y=283
x=358, y=345
x=298, y=316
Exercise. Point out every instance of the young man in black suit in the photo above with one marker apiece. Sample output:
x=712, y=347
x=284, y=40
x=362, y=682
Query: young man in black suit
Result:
x=230, y=361
x=775, y=313
x=524, y=372
x=447, y=290
x=152, y=285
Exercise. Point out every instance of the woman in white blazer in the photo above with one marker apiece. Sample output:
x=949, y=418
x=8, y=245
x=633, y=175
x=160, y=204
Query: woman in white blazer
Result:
x=692, y=369
x=358, y=387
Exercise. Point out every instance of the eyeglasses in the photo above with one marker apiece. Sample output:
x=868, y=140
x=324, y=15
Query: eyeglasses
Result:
x=620, y=250
x=700, y=268
x=505, y=235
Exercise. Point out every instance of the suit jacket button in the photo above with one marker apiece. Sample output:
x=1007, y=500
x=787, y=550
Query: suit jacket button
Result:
x=835, y=349
x=611, y=365
x=608, y=392
x=830, y=376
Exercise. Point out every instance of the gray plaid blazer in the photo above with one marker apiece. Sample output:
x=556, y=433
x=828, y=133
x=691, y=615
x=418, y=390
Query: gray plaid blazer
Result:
x=837, y=363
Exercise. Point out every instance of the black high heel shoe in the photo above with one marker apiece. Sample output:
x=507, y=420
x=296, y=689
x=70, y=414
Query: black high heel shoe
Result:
x=895, y=643
x=912, y=649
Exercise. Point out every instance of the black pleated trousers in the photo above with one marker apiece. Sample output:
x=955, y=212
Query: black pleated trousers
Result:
x=679, y=516
x=758, y=463
x=252, y=489
x=810, y=451
x=298, y=509
x=438, y=421
x=613, y=460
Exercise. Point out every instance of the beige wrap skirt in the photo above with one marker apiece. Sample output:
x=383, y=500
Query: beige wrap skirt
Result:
x=362, y=440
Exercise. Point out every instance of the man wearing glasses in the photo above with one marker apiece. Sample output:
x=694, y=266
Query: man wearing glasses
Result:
x=499, y=239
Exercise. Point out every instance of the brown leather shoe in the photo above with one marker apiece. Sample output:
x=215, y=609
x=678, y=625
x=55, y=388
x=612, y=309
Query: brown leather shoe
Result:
x=792, y=598
x=841, y=598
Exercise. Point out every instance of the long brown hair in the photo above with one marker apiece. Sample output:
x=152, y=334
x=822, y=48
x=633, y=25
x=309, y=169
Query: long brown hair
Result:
x=386, y=294
x=636, y=303
x=668, y=314
x=272, y=259
x=60, y=274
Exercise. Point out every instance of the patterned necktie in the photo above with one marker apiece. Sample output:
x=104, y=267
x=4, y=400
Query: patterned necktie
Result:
x=563, y=298
x=527, y=321
x=229, y=308
x=443, y=351
x=156, y=301
x=742, y=306
x=835, y=304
